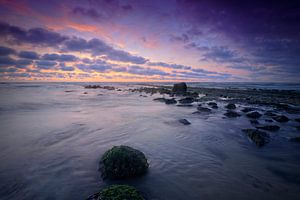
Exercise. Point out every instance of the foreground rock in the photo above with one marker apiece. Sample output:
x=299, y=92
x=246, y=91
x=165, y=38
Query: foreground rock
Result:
x=248, y=109
x=213, y=105
x=123, y=162
x=184, y=121
x=203, y=109
x=230, y=106
x=179, y=88
x=232, y=114
x=166, y=101
x=297, y=119
x=281, y=118
x=269, y=127
x=296, y=139
x=117, y=192
x=259, y=138
x=254, y=115
x=187, y=100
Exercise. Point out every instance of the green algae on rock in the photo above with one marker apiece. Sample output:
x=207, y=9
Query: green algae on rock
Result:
x=121, y=162
x=117, y=192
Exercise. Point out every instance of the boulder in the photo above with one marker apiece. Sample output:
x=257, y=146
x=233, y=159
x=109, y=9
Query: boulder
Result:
x=230, y=106
x=253, y=115
x=179, y=88
x=123, y=162
x=203, y=109
x=117, y=192
x=269, y=127
x=248, y=109
x=296, y=139
x=231, y=114
x=254, y=121
x=213, y=105
x=184, y=121
x=170, y=101
x=281, y=118
x=297, y=119
x=187, y=100
x=259, y=138
x=270, y=113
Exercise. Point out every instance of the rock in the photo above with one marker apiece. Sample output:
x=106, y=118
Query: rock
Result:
x=213, y=105
x=203, y=109
x=298, y=128
x=230, y=106
x=259, y=138
x=160, y=99
x=296, y=139
x=85, y=93
x=184, y=121
x=253, y=115
x=270, y=113
x=170, y=101
x=69, y=91
x=281, y=118
x=268, y=120
x=179, y=88
x=232, y=114
x=184, y=105
x=123, y=162
x=248, y=109
x=297, y=119
x=269, y=127
x=254, y=121
x=186, y=100
x=117, y=192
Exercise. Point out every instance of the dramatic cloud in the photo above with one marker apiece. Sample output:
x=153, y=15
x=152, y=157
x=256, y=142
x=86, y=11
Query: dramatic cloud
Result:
x=29, y=55
x=5, y=51
x=60, y=57
x=45, y=64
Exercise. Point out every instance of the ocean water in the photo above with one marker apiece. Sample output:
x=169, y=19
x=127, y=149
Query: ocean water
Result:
x=51, y=142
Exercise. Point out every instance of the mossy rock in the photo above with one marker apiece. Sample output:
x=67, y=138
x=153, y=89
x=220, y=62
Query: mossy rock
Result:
x=122, y=162
x=117, y=192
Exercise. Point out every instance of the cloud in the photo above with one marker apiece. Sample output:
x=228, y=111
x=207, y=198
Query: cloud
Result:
x=45, y=64
x=60, y=57
x=38, y=36
x=6, y=61
x=173, y=66
x=5, y=51
x=145, y=71
x=29, y=55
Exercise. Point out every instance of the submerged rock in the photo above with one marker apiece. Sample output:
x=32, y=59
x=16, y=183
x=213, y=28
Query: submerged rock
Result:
x=281, y=118
x=254, y=121
x=170, y=101
x=187, y=100
x=184, y=121
x=160, y=99
x=296, y=139
x=179, y=88
x=230, y=106
x=213, y=105
x=232, y=114
x=184, y=105
x=269, y=127
x=117, y=192
x=203, y=109
x=259, y=138
x=270, y=113
x=248, y=109
x=123, y=162
x=254, y=115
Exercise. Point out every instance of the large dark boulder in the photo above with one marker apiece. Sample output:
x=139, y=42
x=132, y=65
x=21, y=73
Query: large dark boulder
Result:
x=230, y=106
x=259, y=138
x=123, y=162
x=179, y=88
x=117, y=192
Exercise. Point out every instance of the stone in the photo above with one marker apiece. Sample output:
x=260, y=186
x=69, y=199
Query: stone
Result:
x=258, y=137
x=184, y=121
x=187, y=100
x=170, y=101
x=179, y=88
x=230, y=106
x=297, y=119
x=296, y=139
x=117, y=192
x=122, y=162
x=269, y=127
x=254, y=121
x=203, y=109
x=254, y=115
x=232, y=114
x=281, y=118
x=247, y=109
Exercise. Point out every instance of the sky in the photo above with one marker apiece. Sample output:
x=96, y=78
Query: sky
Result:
x=150, y=40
